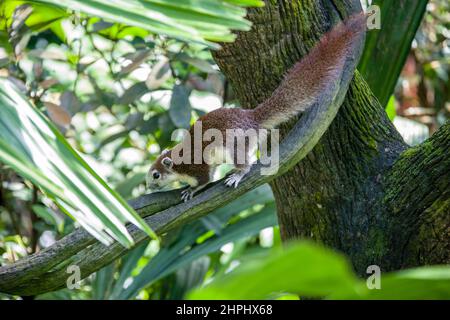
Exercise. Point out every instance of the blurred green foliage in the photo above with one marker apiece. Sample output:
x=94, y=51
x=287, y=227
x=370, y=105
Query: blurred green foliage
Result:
x=310, y=270
x=36, y=150
x=407, y=64
x=387, y=48
x=423, y=89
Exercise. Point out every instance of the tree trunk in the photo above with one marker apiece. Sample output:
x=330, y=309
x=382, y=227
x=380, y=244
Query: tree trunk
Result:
x=361, y=190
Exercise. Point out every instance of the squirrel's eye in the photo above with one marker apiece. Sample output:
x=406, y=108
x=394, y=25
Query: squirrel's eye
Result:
x=156, y=175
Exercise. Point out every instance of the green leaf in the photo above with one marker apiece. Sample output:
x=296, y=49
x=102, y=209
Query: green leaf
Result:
x=137, y=59
x=175, y=255
x=180, y=108
x=5, y=44
x=421, y=283
x=305, y=269
x=125, y=187
x=200, y=64
x=188, y=277
x=390, y=108
x=201, y=21
x=386, y=50
x=46, y=214
x=159, y=74
x=310, y=270
x=253, y=3
x=44, y=17
x=133, y=93
x=35, y=149
x=41, y=18
x=129, y=262
x=103, y=282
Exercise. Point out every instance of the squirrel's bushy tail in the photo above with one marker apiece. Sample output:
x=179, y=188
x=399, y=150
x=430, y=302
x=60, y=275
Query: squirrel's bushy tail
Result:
x=309, y=78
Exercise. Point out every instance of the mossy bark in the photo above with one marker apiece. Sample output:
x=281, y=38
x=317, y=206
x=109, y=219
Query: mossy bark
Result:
x=355, y=191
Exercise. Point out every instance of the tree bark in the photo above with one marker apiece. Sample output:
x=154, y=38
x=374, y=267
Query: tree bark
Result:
x=360, y=190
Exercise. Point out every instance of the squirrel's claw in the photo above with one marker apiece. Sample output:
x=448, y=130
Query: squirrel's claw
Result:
x=187, y=194
x=233, y=180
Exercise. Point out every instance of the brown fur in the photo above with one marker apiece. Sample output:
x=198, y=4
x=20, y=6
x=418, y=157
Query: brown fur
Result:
x=233, y=118
x=299, y=90
x=304, y=82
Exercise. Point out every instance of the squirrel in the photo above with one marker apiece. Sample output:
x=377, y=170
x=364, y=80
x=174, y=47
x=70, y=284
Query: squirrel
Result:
x=299, y=90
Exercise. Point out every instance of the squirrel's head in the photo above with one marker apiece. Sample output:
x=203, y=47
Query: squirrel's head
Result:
x=161, y=173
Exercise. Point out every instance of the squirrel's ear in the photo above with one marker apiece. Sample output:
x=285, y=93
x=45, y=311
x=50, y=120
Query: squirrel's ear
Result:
x=167, y=162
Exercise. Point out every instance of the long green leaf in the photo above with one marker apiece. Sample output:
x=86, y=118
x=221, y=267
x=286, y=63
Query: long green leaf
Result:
x=310, y=270
x=431, y=283
x=175, y=256
x=305, y=269
x=34, y=148
x=200, y=21
x=386, y=50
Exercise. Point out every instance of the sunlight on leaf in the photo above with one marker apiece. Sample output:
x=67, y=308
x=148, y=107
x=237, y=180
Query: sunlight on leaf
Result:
x=36, y=150
x=201, y=21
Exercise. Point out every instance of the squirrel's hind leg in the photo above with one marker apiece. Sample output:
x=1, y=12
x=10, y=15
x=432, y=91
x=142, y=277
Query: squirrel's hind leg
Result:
x=236, y=177
x=241, y=169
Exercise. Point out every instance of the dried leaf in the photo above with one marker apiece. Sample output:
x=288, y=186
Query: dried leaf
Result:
x=47, y=83
x=38, y=69
x=57, y=114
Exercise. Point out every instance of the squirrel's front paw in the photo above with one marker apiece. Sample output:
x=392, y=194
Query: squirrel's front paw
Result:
x=233, y=180
x=187, y=194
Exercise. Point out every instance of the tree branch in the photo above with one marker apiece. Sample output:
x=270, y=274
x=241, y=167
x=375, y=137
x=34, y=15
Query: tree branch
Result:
x=418, y=201
x=46, y=270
